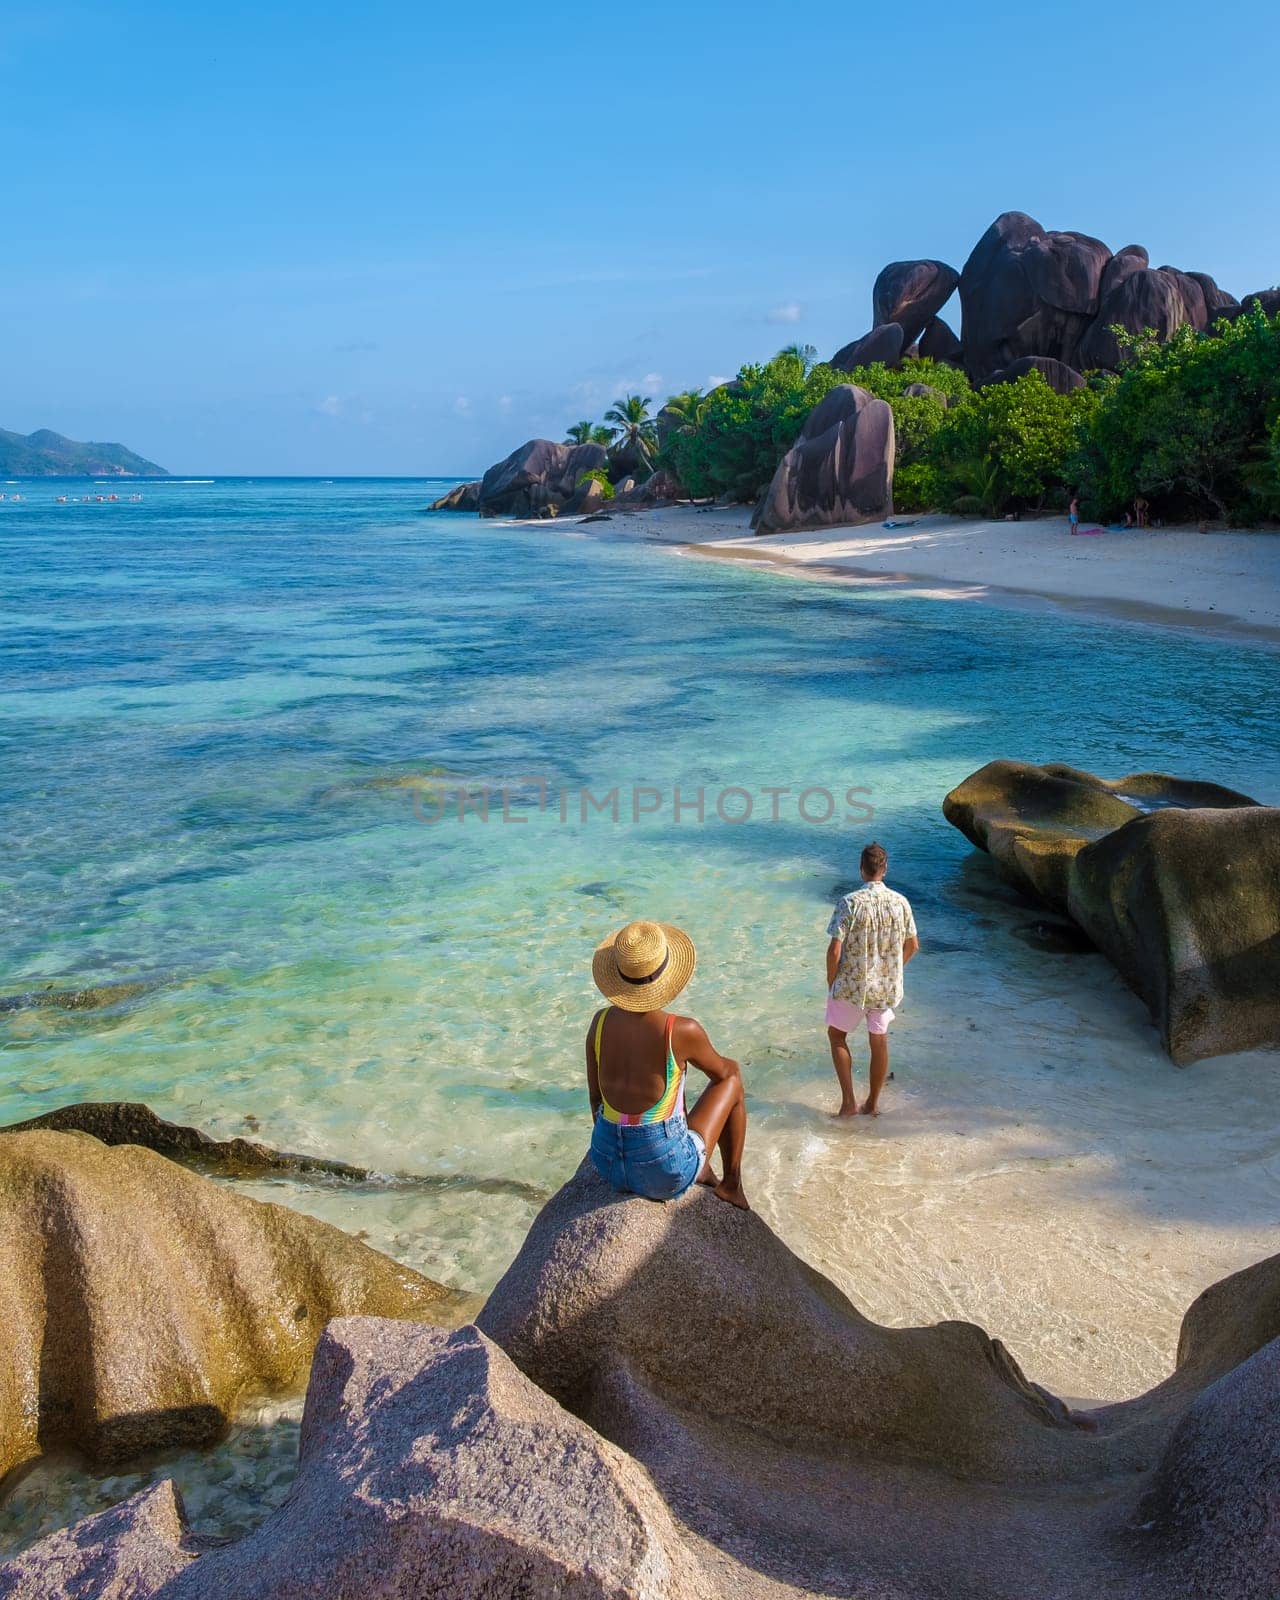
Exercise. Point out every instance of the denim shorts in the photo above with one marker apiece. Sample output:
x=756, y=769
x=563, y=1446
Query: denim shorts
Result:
x=658, y=1160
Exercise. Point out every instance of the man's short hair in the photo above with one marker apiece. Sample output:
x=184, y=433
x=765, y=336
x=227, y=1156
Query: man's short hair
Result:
x=875, y=858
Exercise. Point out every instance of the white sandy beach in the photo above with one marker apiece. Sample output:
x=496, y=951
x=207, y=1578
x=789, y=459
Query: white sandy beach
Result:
x=1224, y=582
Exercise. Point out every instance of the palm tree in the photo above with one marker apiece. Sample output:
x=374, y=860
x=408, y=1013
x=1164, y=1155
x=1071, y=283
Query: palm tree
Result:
x=635, y=430
x=687, y=410
x=589, y=433
x=805, y=354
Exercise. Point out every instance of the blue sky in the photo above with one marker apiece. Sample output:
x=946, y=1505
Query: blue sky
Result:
x=401, y=238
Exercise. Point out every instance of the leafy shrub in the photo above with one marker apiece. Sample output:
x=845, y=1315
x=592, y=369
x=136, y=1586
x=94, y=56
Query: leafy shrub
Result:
x=1187, y=422
x=1007, y=445
x=600, y=476
x=746, y=427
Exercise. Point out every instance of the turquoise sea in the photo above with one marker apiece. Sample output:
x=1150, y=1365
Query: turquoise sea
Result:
x=235, y=721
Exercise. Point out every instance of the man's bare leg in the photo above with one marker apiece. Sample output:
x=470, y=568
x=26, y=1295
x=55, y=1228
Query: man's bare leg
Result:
x=720, y=1116
x=879, y=1072
x=843, y=1063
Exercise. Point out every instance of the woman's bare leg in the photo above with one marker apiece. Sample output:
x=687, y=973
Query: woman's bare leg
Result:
x=720, y=1116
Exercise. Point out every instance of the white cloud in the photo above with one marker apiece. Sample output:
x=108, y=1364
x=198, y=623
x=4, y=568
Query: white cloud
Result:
x=788, y=311
x=504, y=402
x=651, y=380
x=716, y=379
x=330, y=406
x=462, y=405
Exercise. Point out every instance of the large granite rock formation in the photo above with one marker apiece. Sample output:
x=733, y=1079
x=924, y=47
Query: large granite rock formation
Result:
x=1137, y=297
x=840, y=469
x=912, y=293
x=141, y=1300
x=1178, y=882
x=884, y=344
x=1029, y=292
x=539, y=474
x=466, y=497
x=698, y=1413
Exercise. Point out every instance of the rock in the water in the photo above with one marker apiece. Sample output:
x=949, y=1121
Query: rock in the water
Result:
x=428, y=1466
x=127, y=1553
x=1187, y=906
x=731, y=1426
x=1176, y=881
x=466, y=497
x=840, y=469
x=131, y=1122
x=141, y=1300
x=884, y=344
x=938, y=342
x=1025, y=291
x=1061, y=378
x=911, y=293
x=539, y=474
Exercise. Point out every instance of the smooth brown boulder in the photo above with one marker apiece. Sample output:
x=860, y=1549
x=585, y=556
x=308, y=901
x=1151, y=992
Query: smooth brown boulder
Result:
x=1158, y=298
x=466, y=497
x=911, y=293
x=938, y=342
x=1187, y=906
x=840, y=469
x=540, y=476
x=1177, y=881
x=1061, y=378
x=143, y=1300
x=883, y=345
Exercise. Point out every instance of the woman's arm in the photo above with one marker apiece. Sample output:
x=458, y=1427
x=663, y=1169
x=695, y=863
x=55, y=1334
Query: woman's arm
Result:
x=593, y=1069
x=689, y=1039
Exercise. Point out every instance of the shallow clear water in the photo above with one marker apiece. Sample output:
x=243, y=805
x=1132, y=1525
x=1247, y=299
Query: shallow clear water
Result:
x=209, y=701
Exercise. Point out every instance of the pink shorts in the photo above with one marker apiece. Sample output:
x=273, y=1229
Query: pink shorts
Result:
x=845, y=1016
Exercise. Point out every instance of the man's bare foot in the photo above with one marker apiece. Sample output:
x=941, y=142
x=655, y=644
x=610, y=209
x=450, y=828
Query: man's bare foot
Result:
x=731, y=1190
x=850, y=1110
x=870, y=1110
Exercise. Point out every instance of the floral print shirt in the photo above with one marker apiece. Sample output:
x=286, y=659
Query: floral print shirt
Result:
x=873, y=923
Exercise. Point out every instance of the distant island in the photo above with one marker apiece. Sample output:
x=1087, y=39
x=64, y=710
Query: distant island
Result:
x=45, y=454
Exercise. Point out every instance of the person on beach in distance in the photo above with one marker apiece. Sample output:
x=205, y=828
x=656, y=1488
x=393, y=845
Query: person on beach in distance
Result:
x=872, y=937
x=637, y=1056
x=1073, y=511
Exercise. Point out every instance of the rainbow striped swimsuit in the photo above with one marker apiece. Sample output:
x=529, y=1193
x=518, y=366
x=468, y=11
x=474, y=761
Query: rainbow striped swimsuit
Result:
x=671, y=1103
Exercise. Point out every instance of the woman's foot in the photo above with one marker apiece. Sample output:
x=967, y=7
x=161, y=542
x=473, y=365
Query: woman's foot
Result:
x=848, y=1109
x=870, y=1110
x=730, y=1189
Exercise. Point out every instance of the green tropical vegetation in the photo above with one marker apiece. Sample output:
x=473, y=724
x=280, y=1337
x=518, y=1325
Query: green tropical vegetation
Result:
x=1191, y=424
x=589, y=433
x=600, y=476
x=635, y=431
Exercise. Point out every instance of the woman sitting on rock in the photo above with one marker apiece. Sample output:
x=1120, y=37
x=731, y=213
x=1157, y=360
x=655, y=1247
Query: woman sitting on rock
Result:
x=637, y=1056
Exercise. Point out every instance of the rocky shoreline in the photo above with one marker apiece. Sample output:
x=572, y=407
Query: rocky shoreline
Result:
x=663, y=1402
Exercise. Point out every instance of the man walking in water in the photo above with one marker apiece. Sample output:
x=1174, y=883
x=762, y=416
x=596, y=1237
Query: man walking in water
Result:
x=873, y=936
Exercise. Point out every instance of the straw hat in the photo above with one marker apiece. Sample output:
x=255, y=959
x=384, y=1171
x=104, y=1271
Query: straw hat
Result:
x=643, y=966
